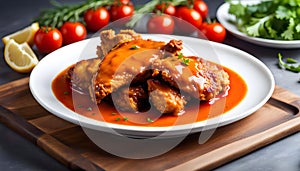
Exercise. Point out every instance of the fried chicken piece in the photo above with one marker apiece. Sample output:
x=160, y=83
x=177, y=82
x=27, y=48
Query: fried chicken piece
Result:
x=196, y=76
x=123, y=64
x=165, y=98
x=173, y=47
x=133, y=99
x=81, y=74
x=126, y=59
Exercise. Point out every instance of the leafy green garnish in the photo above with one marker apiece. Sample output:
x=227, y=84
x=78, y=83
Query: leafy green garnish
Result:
x=185, y=61
x=180, y=56
x=290, y=64
x=273, y=19
x=134, y=47
x=291, y=60
x=150, y=120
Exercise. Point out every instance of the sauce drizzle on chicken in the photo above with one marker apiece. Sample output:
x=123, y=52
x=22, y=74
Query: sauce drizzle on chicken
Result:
x=136, y=75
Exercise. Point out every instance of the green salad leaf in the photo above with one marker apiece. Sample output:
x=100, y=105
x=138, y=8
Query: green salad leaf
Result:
x=271, y=19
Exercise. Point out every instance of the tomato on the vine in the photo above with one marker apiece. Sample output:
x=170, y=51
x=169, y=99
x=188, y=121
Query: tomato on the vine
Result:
x=119, y=11
x=201, y=7
x=190, y=15
x=72, y=32
x=161, y=24
x=96, y=19
x=48, y=39
x=213, y=31
x=165, y=7
x=122, y=2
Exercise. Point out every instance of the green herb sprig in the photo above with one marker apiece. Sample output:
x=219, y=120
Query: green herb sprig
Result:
x=150, y=120
x=148, y=8
x=134, y=47
x=185, y=61
x=290, y=64
x=72, y=12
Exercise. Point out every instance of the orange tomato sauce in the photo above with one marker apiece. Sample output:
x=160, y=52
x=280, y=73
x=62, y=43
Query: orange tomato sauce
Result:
x=105, y=111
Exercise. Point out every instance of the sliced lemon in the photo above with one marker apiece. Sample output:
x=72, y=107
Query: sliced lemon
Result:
x=20, y=57
x=24, y=35
x=28, y=50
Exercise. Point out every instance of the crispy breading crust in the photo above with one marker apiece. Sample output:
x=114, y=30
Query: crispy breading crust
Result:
x=110, y=40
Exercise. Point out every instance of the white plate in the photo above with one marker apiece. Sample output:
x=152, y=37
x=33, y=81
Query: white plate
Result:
x=225, y=19
x=257, y=76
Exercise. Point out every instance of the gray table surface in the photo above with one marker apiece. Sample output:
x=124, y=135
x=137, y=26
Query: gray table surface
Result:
x=16, y=153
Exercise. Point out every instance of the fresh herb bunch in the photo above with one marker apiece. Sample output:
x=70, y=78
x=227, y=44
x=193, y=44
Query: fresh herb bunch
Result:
x=149, y=8
x=61, y=13
x=273, y=19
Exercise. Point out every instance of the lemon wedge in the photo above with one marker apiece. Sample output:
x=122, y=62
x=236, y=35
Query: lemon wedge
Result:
x=20, y=57
x=24, y=35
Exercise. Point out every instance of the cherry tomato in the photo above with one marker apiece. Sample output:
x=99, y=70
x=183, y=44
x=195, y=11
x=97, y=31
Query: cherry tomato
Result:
x=96, y=19
x=48, y=39
x=72, y=32
x=162, y=24
x=120, y=11
x=122, y=2
x=190, y=15
x=201, y=7
x=165, y=7
x=214, y=31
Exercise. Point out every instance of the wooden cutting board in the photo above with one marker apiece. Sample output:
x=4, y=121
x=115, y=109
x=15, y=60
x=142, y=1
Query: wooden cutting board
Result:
x=67, y=143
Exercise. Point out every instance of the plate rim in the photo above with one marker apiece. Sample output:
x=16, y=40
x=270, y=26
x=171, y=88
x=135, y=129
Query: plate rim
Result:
x=140, y=130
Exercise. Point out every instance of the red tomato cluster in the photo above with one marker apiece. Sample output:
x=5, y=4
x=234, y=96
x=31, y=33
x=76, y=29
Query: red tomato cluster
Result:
x=49, y=39
x=194, y=14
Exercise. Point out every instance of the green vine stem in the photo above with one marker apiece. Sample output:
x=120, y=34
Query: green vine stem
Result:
x=61, y=13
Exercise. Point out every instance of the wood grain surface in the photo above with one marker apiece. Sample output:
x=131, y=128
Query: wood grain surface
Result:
x=67, y=142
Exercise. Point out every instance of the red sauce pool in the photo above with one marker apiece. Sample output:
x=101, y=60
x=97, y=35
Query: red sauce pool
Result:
x=106, y=112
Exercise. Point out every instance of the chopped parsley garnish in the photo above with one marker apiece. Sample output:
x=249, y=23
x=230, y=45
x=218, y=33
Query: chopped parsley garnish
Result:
x=125, y=119
x=79, y=106
x=89, y=109
x=150, y=120
x=117, y=119
x=134, y=47
x=66, y=93
x=185, y=61
x=180, y=56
